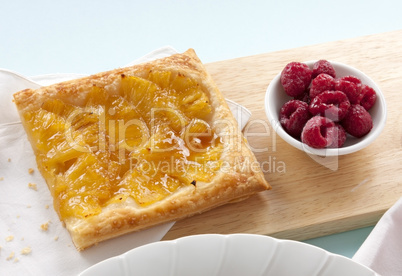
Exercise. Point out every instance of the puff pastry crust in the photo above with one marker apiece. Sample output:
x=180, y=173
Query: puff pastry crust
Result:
x=236, y=177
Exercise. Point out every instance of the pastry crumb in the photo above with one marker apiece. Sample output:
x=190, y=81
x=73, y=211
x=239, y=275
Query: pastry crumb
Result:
x=45, y=226
x=47, y=206
x=29, y=206
x=32, y=186
x=9, y=238
x=31, y=171
x=56, y=238
x=16, y=260
x=12, y=254
x=1, y=178
x=9, y=160
x=27, y=250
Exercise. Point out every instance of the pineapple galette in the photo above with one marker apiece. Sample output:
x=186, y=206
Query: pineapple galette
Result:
x=134, y=147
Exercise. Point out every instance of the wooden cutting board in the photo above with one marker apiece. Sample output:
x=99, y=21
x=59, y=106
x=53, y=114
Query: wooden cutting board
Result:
x=309, y=199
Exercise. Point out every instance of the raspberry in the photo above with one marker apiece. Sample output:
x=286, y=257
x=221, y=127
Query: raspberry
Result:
x=323, y=66
x=353, y=79
x=367, y=97
x=338, y=135
x=331, y=104
x=318, y=132
x=295, y=78
x=293, y=116
x=351, y=89
x=358, y=121
x=321, y=83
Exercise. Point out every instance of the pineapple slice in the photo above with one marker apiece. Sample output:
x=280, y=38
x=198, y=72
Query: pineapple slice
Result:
x=59, y=108
x=140, y=92
x=160, y=78
x=195, y=103
x=147, y=190
x=198, y=135
x=97, y=96
x=47, y=129
x=92, y=178
x=182, y=83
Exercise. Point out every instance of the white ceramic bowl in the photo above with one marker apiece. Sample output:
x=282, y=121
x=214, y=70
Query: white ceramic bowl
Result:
x=224, y=255
x=275, y=97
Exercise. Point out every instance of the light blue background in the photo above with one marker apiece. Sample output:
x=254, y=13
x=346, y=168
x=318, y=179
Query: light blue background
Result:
x=43, y=37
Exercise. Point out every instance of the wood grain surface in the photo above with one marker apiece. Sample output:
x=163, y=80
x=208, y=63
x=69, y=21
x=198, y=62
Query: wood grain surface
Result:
x=309, y=199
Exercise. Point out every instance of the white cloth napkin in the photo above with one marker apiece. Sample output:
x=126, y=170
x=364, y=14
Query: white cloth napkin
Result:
x=382, y=250
x=26, y=246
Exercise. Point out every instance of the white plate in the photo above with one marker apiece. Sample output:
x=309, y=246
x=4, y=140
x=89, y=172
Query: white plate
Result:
x=238, y=254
